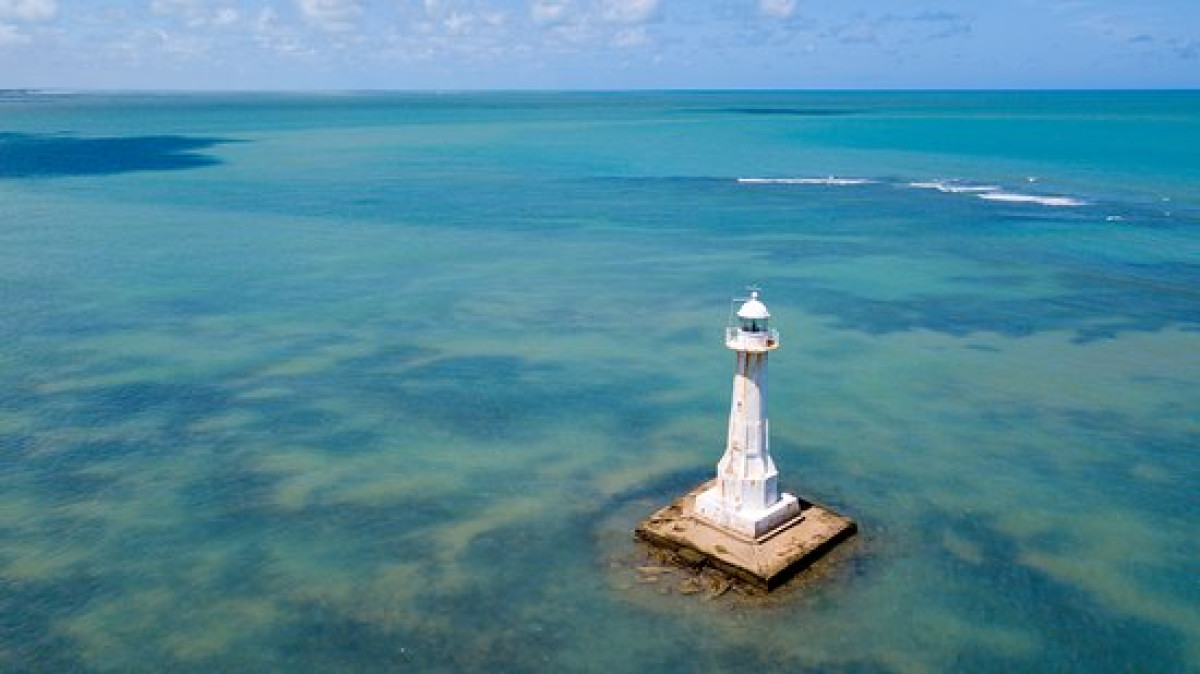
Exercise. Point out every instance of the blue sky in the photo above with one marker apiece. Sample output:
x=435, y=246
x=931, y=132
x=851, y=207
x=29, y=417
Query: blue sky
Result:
x=456, y=44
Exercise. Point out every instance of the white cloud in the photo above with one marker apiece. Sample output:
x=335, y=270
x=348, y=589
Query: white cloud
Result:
x=167, y=7
x=459, y=23
x=777, y=9
x=859, y=32
x=271, y=34
x=28, y=10
x=10, y=36
x=628, y=11
x=225, y=16
x=630, y=38
x=495, y=19
x=575, y=33
x=195, y=13
x=331, y=15
x=575, y=26
x=185, y=46
x=549, y=12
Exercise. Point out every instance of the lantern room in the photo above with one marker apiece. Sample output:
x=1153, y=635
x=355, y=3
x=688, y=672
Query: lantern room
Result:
x=751, y=331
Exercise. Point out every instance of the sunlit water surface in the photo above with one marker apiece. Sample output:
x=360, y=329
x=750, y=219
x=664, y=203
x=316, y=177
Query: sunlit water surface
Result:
x=382, y=382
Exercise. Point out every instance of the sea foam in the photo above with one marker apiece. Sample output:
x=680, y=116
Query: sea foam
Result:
x=951, y=187
x=1013, y=197
x=995, y=193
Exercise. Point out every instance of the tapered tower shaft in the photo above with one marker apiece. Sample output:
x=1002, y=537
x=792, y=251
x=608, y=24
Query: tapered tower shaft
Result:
x=746, y=474
x=745, y=498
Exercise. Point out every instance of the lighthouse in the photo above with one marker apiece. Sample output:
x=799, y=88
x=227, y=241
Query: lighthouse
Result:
x=745, y=498
x=739, y=523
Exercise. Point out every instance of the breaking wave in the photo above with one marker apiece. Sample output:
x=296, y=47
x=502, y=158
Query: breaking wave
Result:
x=951, y=187
x=1013, y=197
x=996, y=193
x=980, y=190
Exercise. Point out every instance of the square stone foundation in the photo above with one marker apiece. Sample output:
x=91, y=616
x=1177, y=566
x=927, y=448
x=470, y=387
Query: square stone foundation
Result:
x=765, y=562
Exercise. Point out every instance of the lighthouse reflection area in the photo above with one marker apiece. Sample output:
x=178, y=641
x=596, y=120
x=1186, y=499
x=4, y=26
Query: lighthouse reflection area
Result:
x=262, y=433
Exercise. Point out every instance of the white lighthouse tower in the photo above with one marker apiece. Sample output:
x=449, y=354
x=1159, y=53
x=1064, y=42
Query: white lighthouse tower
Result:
x=745, y=499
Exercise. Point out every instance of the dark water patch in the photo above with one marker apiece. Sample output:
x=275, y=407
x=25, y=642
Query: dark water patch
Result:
x=1122, y=441
x=291, y=419
x=767, y=659
x=505, y=622
x=688, y=336
x=953, y=315
x=13, y=445
x=397, y=532
x=64, y=482
x=814, y=460
x=25, y=155
x=1095, y=311
x=30, y=640
x=473, y=371
x=985, y=348
x=227, y=497
x=88, y=452
x=506, y=397
x=389, y=359
x=993, y=280
x=174, y=406
x=286, y=418
x=187, y=400
x=214, y=302
x=1074, y=627
x=497, y=620
x=797, y=252
x=463, y=632
x=353, y=440
x=41, y=315
x=321, y=638
x=60, y=474
x=60, y=466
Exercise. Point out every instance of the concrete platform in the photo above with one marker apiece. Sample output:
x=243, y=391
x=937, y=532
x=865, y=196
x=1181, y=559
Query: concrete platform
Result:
x=765, y=562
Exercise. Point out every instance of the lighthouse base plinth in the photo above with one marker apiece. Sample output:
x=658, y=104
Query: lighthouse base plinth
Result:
x=711, y=508
x=765, y=562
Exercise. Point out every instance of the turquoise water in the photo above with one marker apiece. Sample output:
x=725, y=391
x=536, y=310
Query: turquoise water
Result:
x=354, y=382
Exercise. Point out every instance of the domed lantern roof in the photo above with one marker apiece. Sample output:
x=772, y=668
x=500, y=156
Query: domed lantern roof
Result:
x=753, y=309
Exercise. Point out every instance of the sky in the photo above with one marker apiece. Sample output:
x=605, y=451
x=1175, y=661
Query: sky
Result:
x=598, y=44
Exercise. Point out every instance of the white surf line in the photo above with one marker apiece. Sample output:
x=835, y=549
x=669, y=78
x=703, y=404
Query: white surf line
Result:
x=995, y=193
x=1015, y=198
x=951, y=187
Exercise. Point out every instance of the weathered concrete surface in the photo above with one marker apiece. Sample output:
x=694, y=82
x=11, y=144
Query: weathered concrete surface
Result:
x=766, y=562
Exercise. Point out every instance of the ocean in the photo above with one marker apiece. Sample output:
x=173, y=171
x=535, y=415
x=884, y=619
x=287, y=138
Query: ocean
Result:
x=374, y=381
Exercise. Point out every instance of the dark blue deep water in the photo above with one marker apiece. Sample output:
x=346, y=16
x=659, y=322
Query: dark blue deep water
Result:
x=381, y=382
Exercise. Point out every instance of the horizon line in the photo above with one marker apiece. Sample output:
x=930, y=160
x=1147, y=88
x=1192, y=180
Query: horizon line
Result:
x=584, y=90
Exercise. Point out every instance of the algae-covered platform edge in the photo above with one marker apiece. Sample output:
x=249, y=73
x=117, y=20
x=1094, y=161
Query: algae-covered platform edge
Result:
x=766, y=562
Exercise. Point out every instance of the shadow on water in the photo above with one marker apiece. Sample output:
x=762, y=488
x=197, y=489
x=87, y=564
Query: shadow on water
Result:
x=56, y=155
